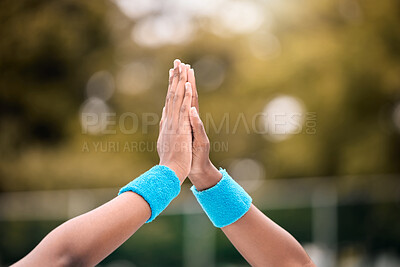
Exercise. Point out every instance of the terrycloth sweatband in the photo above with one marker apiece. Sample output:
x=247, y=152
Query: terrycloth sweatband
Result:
x=158, y=186
x=225, y=202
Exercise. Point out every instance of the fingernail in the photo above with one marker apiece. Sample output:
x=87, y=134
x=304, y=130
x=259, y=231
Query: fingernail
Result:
x=171, y=72
x=188, y=66
x=176, y=62
x=187, y=85
x=193, y=111
x=180, y=67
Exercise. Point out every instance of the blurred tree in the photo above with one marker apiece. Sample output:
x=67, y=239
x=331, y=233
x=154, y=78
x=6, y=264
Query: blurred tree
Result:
x=340, y=58
x=48, y=49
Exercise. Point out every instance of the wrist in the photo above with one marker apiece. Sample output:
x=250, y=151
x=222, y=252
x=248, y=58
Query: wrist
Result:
x=206, y=177
x=158, y=187
x=224, y=203
x=176, y=169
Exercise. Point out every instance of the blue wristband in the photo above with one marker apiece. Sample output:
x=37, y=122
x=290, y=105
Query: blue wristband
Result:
x=224, y=203
x=158, y=186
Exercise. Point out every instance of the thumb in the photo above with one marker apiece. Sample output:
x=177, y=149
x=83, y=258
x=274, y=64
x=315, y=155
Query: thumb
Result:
x=199, y=133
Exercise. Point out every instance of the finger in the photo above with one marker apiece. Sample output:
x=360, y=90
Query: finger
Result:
x=199, y=133
x=187, y=68
x=179, y=92
x=174, y=83
x=173, y=80
x=195, y=96
x=162, y=118
x=171, y=75
x=170, y=78
x=185, y=107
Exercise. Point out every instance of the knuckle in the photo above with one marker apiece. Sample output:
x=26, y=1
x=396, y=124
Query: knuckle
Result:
x=184, y=108
x=176, y=97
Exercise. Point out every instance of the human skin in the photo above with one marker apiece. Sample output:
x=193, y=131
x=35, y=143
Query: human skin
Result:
x=175, y=131
x=89, y=238
x=260, y=241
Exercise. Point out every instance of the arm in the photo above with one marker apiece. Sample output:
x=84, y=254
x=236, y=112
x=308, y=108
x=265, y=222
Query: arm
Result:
x=264, y=243
x=260, y=241
x=89, y=238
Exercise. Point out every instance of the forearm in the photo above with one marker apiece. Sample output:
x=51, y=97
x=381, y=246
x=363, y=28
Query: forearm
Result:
x=261, y=241
x=264, y=243
x=89, y=238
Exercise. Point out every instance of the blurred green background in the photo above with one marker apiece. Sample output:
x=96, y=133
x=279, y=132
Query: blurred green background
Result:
x=334, y=65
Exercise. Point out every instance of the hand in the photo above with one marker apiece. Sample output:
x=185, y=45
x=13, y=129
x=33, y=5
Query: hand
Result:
x=203, y=173
x=174, y=143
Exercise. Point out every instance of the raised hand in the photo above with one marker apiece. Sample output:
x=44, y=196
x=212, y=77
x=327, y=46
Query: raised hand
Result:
x=174, y=143
x=203, y=173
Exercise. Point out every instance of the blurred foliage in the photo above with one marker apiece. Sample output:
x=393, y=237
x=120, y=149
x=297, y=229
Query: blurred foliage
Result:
x=47, y=51
x=345, y=69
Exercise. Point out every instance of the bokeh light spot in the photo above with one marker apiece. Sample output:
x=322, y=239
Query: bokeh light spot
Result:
x=210, y=73
x=94, y=119
x=100, y=85
x=248, y=172
x=134, y=9
x=240, y=17
x=265, y=46
x=282, y=117
x=163, y=30
x=396, y=117
x=135, y=78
